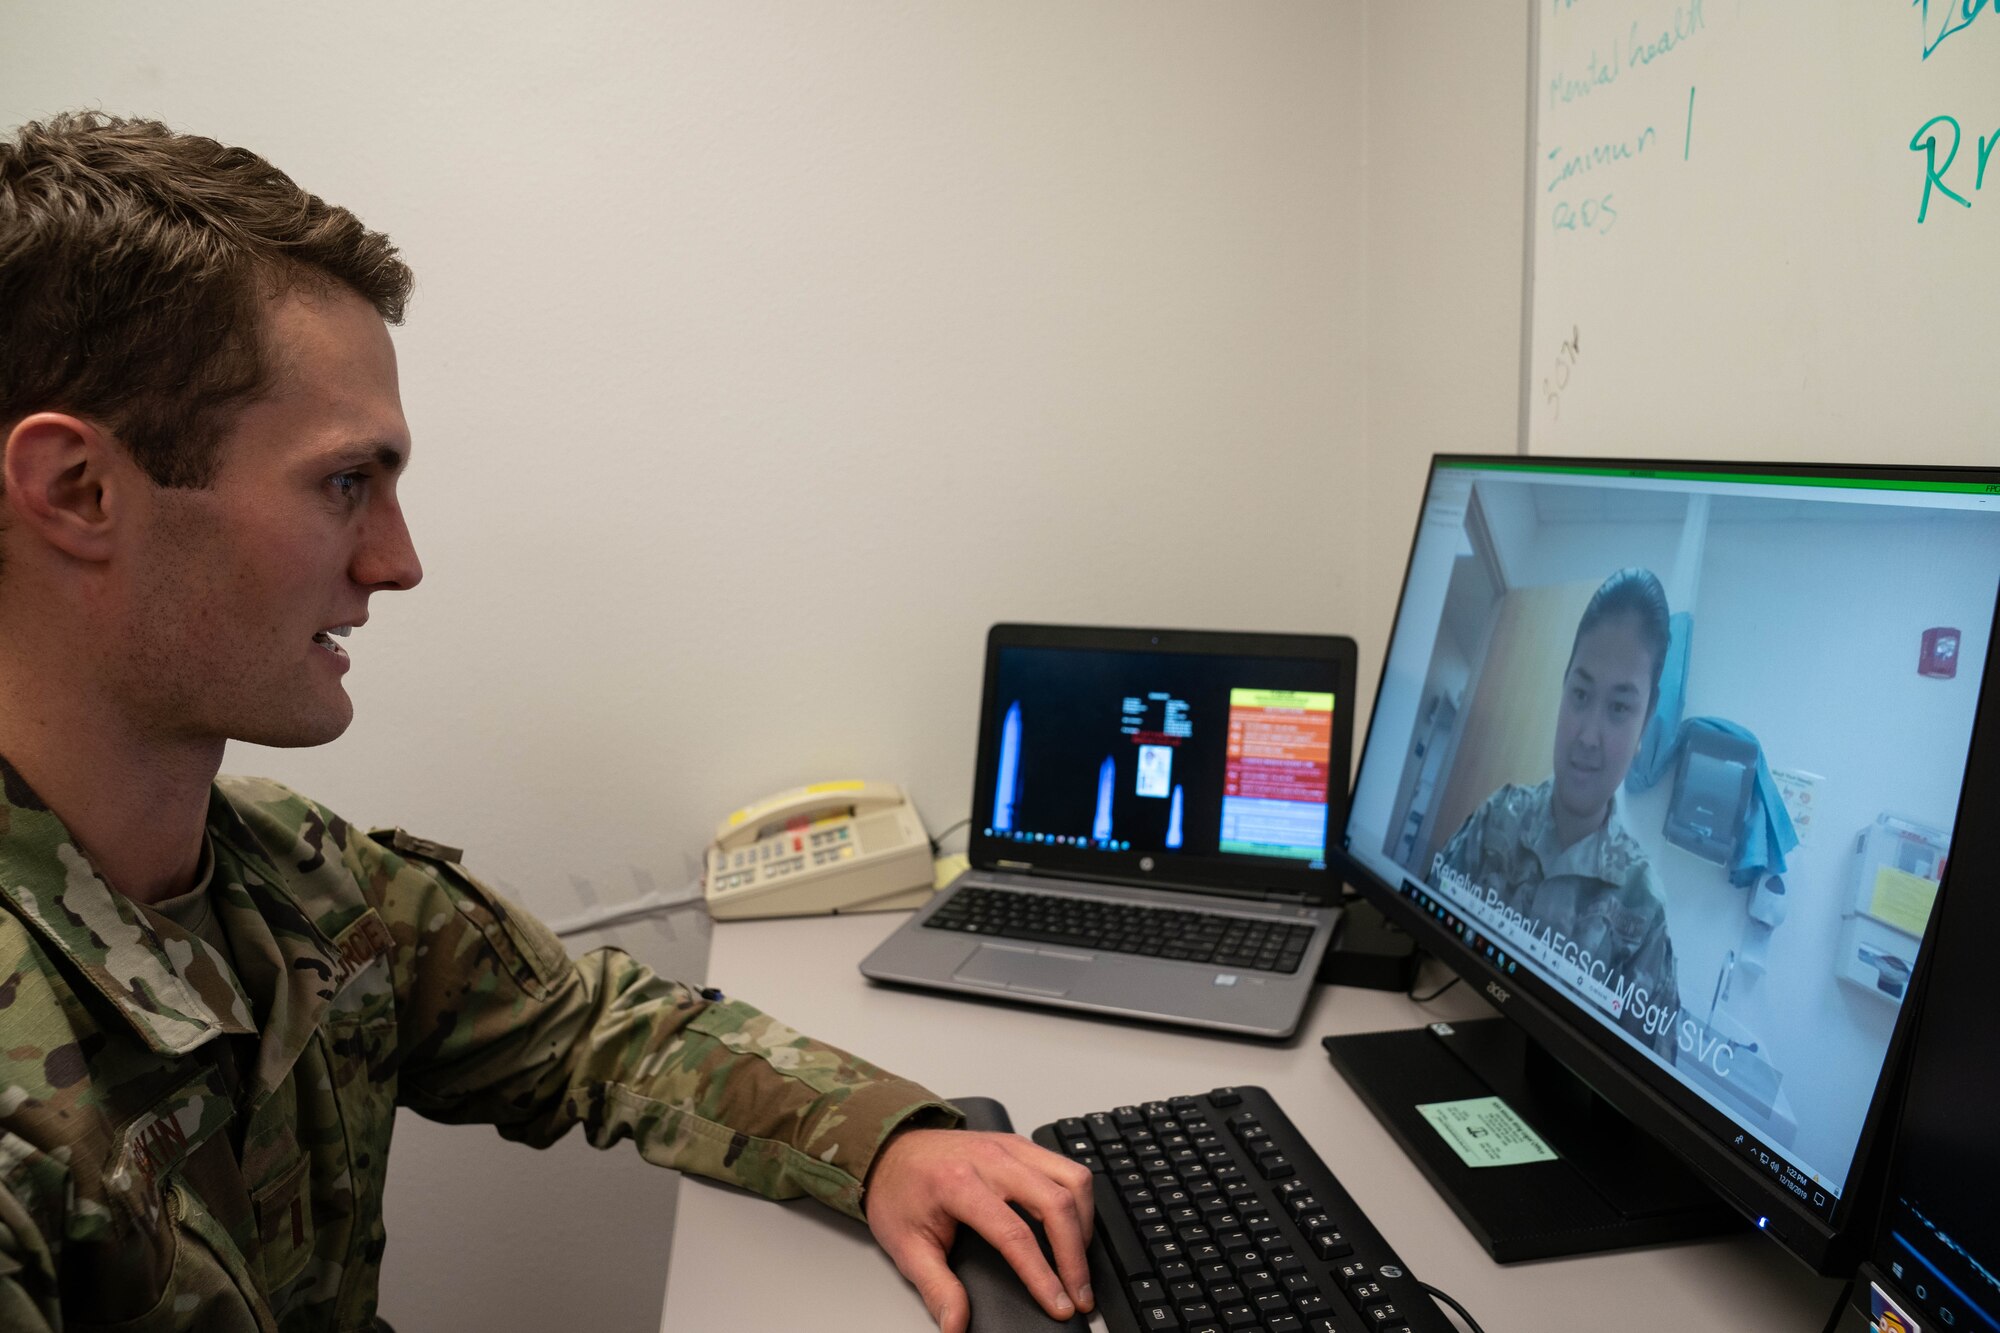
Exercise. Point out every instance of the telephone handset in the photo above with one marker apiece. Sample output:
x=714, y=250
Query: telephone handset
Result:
x=828, y=847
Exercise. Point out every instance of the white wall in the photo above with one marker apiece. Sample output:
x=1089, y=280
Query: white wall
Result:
x=1447, y=147
x=764, y=353
x=767, y=351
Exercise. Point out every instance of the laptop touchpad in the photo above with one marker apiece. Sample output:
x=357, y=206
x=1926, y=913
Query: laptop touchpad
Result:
x=1022, y=969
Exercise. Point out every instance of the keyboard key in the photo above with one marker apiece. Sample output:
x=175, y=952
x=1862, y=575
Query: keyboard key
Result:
x=1331, y=1245
x=1275, y=1166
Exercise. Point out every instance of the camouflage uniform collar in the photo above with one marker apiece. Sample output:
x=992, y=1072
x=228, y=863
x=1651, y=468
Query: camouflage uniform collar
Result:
x=174, y=990
x=288, y=964
x=1589, y=857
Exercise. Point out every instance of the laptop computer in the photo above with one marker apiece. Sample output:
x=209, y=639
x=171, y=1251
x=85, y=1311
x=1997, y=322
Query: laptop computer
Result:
x=1125, y=779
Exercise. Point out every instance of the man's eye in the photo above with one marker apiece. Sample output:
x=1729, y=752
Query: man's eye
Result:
x=347, y=485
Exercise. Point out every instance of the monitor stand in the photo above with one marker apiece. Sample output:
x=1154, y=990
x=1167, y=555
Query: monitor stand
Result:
x=1610, y=1185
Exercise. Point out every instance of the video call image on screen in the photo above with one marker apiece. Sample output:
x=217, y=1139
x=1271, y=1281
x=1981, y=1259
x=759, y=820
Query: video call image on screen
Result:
x=1162, y=754
x=1689, y=754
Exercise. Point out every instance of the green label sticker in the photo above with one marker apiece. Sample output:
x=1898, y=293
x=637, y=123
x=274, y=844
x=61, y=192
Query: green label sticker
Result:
x=1484, y=1131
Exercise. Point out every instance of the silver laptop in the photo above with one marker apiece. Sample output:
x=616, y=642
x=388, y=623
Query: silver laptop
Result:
x=1150, y=823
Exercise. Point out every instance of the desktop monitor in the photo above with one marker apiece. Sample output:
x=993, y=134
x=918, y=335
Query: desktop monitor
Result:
x=1669, y=761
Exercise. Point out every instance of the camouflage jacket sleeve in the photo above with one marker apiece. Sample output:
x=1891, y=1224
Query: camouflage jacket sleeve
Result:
x=27, y=1272
x=498, y=1025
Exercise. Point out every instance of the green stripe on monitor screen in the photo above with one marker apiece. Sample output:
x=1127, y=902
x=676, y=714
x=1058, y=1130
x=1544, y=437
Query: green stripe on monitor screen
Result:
x=1670, y=473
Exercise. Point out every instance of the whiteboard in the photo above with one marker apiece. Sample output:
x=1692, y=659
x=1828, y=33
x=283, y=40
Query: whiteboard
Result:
x=1765, y=230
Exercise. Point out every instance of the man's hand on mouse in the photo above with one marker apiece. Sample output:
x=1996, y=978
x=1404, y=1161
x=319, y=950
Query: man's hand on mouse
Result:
x=925, y=1182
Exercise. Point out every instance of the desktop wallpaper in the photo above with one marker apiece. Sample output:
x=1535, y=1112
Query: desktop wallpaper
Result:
x=1174, y=753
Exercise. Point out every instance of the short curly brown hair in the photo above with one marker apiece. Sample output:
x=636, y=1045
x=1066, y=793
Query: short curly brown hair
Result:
x=135, y=266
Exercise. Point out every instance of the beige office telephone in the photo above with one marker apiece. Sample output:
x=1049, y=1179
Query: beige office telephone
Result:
x=829, y=847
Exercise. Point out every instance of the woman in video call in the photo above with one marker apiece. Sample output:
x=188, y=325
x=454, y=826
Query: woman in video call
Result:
x=1558, y=853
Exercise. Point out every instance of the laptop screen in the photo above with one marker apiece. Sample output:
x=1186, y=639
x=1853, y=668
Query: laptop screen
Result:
x=1196, y=759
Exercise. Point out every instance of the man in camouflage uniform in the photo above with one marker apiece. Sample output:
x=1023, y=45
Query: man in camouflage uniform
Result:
x=214, y=994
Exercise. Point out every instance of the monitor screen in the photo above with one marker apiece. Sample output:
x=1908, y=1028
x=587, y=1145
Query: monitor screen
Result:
x=1677, y=751
x=1938, y=1245
x=1197, y=757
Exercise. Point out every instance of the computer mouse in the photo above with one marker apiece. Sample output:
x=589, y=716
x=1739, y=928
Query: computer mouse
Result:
x=1000, y=1303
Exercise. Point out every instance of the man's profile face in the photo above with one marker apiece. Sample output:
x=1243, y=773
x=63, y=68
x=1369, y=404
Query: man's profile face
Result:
x=234, y=587
x=1606, y=697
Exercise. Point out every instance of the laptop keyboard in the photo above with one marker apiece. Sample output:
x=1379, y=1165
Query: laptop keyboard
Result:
x=1218, y=1217
x=1155, y=932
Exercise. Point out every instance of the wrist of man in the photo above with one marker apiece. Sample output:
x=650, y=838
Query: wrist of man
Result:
x=937, y=1115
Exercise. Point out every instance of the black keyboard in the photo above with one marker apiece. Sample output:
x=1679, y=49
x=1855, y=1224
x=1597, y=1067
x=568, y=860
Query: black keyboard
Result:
x=1215, y=1216
x=1092, y=923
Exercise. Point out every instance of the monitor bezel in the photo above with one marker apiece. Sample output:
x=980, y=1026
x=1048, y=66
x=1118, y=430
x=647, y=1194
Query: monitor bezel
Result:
x=1652, y=1099
x=1260, y=878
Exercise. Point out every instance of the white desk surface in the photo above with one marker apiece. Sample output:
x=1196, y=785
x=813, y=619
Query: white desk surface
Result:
x=742, y=1263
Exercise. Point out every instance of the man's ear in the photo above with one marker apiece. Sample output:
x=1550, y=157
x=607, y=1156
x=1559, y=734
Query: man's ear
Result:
x=59, y=472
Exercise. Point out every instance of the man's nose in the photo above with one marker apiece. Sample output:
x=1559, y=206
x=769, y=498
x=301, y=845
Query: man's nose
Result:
x=386, y=560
